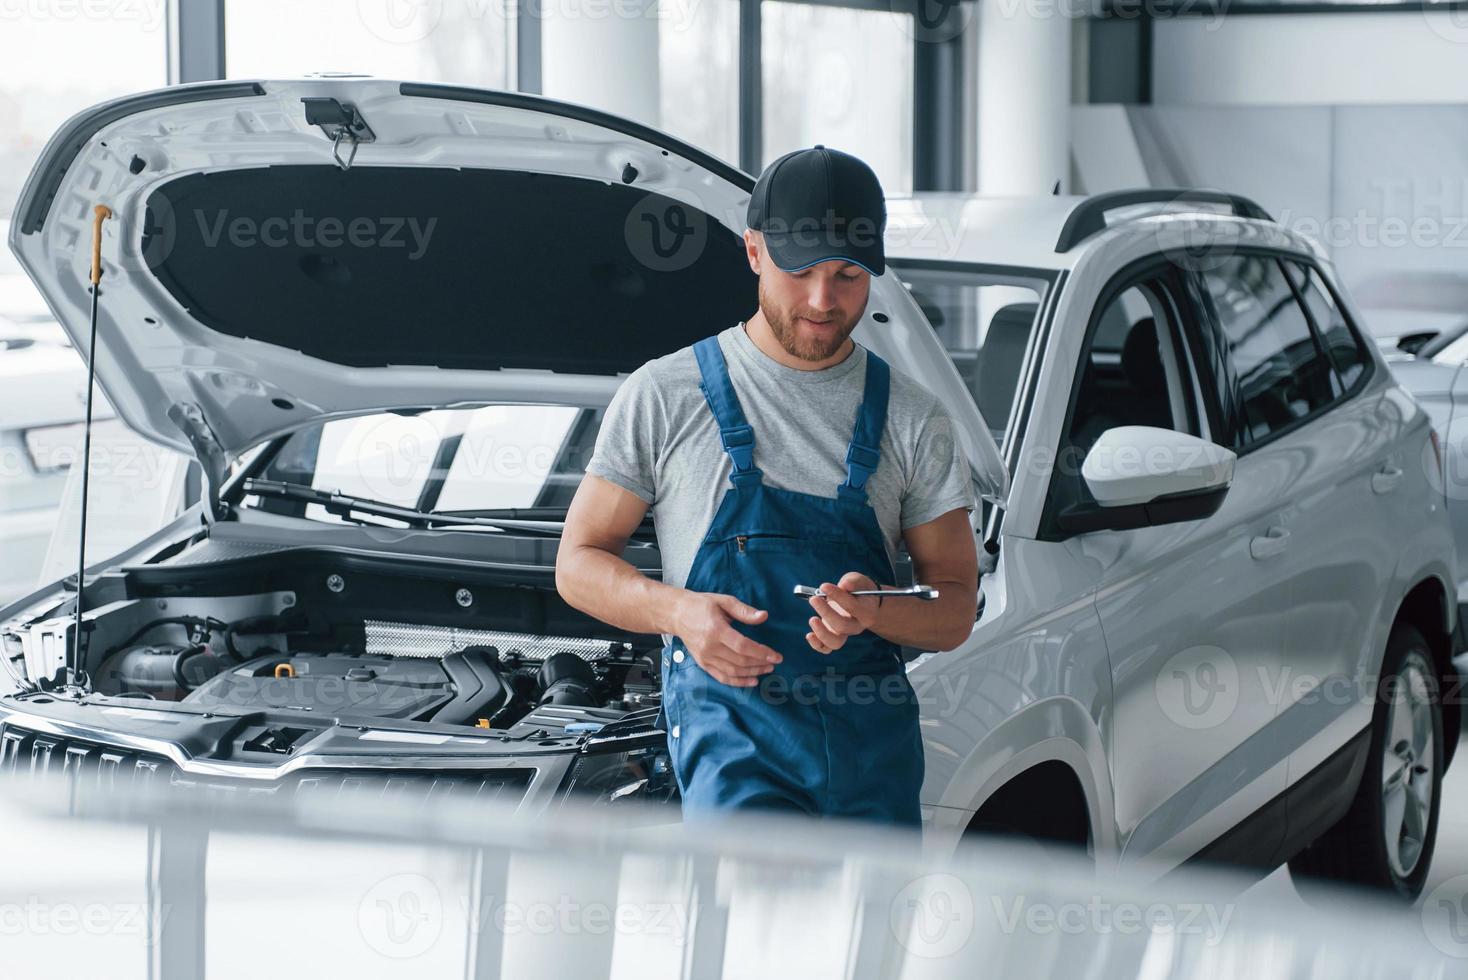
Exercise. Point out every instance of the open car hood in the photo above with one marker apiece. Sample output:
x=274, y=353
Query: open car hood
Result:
x=481, y=246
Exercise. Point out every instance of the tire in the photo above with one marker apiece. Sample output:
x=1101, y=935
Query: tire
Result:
x=1386, y=839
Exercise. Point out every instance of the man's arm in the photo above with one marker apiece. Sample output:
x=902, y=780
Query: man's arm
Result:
x=943, y=556
x=593, y=577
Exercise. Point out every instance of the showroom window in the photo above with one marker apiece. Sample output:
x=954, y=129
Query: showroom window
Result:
x=463, y=42
x=851, y=91
x=110, y=50
x=1283, y=377
x=698, y=75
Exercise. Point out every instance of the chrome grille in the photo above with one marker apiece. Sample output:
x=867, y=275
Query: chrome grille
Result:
x=24, y=753
x=31, y=754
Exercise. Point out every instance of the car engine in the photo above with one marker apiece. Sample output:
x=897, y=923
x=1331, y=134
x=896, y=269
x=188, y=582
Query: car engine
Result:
x=446, y=676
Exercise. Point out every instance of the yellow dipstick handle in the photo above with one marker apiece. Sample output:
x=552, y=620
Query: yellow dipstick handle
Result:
x=284, y=670
x=99, y=214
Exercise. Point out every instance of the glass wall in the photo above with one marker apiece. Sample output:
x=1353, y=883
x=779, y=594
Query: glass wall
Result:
x=842, y=77
x=464, y=42
x=55, y=60
x=698, y=69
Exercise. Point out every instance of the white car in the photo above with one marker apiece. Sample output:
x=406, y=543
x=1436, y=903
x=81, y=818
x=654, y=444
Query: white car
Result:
x=386, y=316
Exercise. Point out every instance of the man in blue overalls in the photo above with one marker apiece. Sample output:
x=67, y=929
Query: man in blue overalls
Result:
x=775, y=453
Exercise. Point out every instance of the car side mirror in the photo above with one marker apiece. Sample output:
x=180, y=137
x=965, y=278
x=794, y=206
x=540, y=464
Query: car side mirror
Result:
x=1143, y=476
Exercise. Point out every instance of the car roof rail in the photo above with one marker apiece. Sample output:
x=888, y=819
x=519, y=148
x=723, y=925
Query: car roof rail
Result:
x=1089, y=217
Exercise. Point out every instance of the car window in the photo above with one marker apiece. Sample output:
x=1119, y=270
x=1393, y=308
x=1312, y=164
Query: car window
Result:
x=986, y=322
x=1347, y=353
x=1281, y=374
x=1136, y=370
x=447, y=460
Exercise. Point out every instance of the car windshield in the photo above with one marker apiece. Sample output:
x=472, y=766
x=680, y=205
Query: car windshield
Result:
x=463, y=460
x=985, y=318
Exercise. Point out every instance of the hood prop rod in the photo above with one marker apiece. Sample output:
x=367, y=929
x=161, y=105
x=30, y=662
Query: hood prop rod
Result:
x=76, y=679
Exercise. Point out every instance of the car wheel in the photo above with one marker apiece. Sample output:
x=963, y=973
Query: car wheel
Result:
x=1385, y=841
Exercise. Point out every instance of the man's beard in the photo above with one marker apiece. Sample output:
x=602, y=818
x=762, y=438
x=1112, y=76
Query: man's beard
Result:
x=787, y=332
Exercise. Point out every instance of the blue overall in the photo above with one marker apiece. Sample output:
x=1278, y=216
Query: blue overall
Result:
x=823, y=734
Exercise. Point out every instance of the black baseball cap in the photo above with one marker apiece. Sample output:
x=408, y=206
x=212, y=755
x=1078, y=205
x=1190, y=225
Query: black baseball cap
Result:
x=818, y=204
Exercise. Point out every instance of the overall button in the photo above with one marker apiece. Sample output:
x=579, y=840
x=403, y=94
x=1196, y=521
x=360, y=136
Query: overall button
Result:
x=677, y=656
x=675, y=731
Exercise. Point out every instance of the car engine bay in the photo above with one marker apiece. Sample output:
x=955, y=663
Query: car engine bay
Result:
x=317, y=637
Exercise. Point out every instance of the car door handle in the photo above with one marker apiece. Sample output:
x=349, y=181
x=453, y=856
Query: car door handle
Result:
x=1269, y=544
x=1385, y=480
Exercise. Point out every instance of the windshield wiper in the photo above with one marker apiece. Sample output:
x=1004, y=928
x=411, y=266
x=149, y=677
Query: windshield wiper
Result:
x=345, y=506
x=537, y=513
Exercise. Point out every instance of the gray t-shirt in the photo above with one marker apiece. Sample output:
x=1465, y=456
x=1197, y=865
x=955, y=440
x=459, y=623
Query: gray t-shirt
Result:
x=659, y=441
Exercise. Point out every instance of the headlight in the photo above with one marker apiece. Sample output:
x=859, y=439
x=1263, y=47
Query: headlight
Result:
x=625, y=769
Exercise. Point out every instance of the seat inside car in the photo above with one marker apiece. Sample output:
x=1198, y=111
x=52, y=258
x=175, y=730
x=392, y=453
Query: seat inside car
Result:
x=1131, y=390
x=1002, y=360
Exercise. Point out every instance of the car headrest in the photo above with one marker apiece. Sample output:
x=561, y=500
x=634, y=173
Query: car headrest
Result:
x=1002, y=359
x=1141, y=361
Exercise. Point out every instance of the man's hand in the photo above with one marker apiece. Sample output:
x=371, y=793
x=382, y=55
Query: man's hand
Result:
x=730, y=657
x=841, y=614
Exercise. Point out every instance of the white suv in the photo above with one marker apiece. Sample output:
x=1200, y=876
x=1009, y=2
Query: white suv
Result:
x=386, y=318
x=1223, y=545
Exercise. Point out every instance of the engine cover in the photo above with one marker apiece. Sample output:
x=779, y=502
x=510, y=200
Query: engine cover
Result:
x=456, y=689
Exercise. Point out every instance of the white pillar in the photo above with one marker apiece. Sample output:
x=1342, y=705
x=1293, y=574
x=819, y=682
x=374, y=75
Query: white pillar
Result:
x=1024, y=96
x=602, y=53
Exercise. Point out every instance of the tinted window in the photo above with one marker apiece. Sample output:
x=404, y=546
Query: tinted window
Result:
x=1341, y=342
x=1281, y=373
